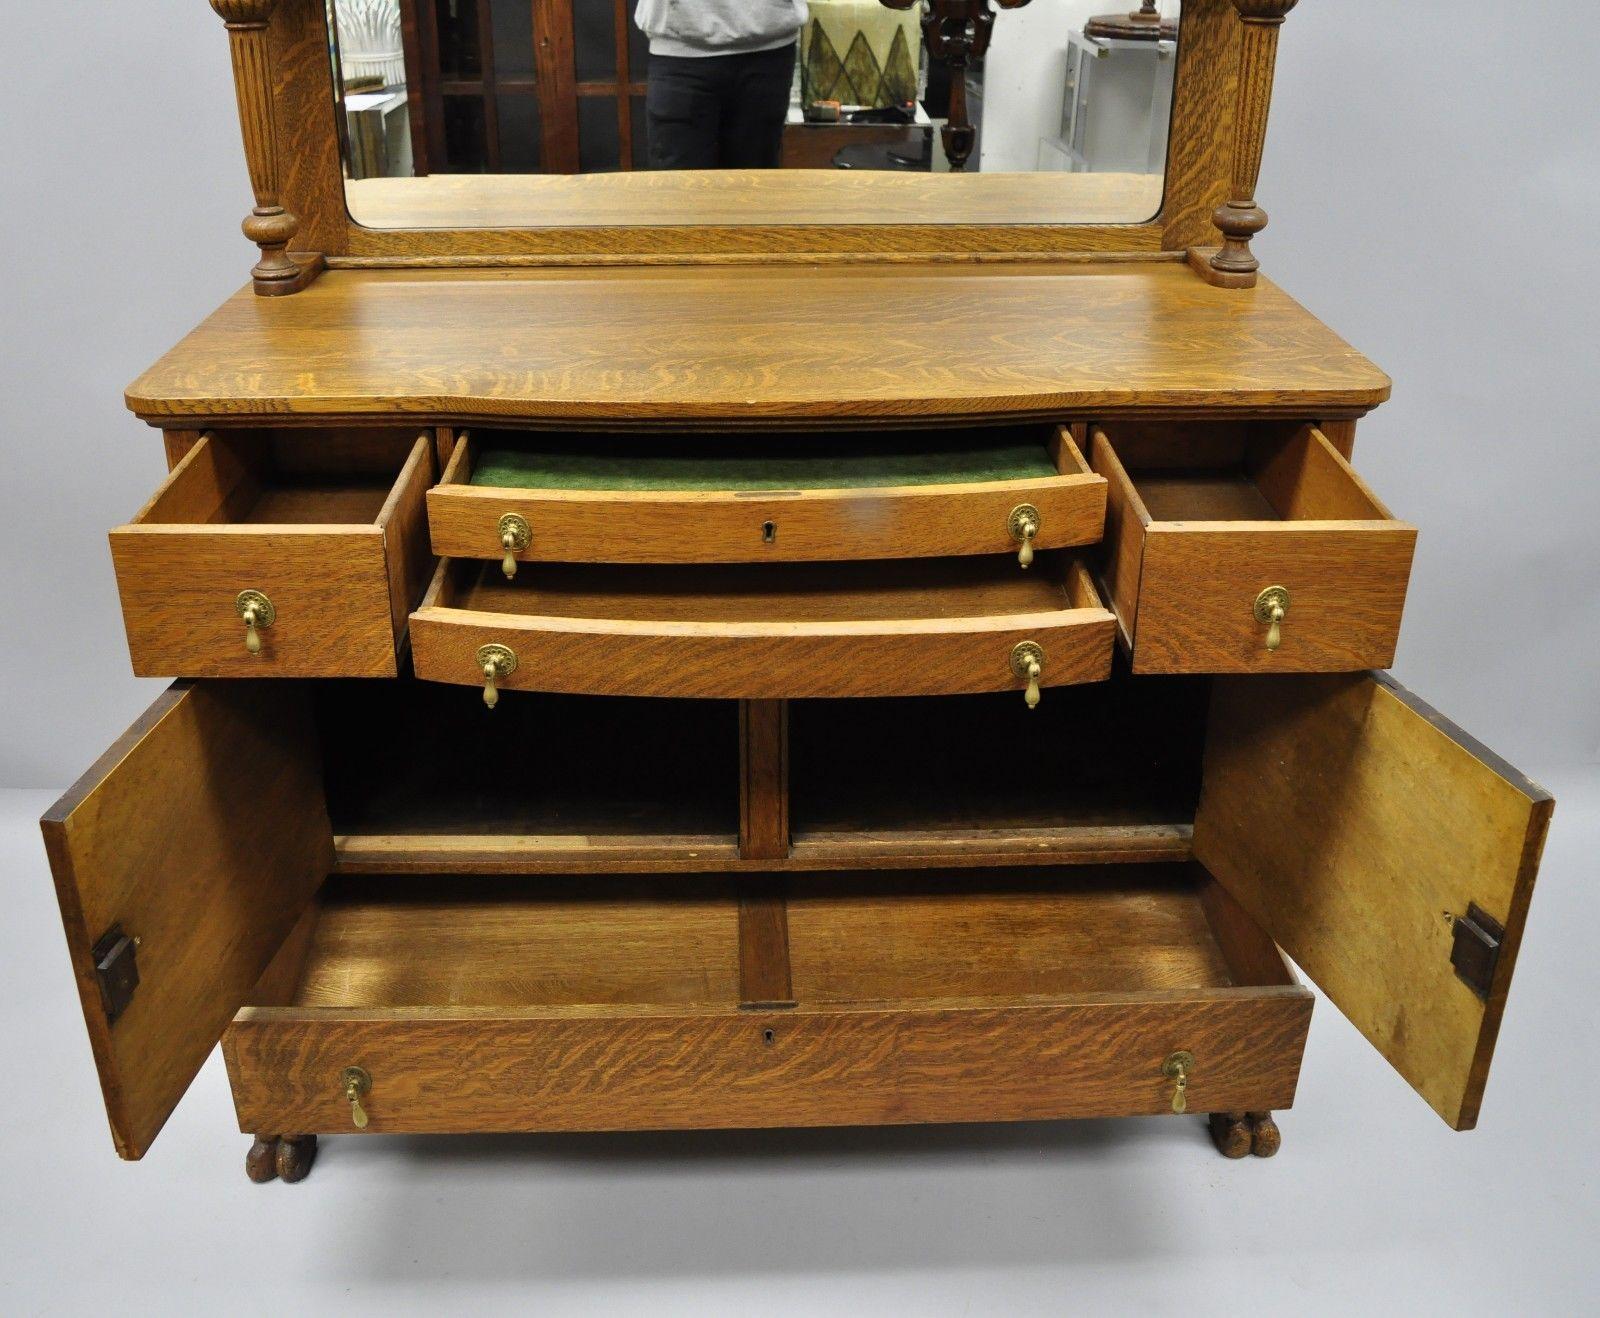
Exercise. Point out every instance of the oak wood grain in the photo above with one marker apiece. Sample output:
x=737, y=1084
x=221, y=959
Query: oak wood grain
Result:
x=758, y=343
x=1353, y=821
x=202, y=834
x=510, y=1070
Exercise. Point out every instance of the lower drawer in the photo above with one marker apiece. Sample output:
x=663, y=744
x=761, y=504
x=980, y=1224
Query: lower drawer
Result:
x=527, y=1005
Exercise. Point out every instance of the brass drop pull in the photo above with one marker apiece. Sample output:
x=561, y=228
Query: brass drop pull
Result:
x=258, y=613
x=1176, y=1068
x=1027, y=660
x=1024, y=526
x=515, y=536
x=498, y=662
x=357, y=1084
x=1271, y=605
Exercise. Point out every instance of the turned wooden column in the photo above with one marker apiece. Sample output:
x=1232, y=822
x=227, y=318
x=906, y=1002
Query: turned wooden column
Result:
x=1234, y=264
x=269, y=225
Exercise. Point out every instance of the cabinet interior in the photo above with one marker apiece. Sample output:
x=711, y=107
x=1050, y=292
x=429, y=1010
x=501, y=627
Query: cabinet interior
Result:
x=420, y=775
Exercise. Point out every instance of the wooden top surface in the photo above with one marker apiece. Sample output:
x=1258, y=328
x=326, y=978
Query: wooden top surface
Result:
x=777, y=344
x=749, y=196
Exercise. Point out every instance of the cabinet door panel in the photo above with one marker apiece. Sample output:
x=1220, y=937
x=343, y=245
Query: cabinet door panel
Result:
x=202, y=834
x=1361, y=829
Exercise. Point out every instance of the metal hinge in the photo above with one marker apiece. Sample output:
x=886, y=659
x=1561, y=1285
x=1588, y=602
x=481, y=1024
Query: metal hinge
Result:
x=116, y=967
x=1476, y=950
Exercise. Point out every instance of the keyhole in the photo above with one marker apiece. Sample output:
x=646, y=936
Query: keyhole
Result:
x=769, y=532
x=769, y=1037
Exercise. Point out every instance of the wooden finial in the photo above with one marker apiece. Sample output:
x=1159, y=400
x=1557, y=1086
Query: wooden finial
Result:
x=269, y=225
x=1240, y=219
x=957, y=32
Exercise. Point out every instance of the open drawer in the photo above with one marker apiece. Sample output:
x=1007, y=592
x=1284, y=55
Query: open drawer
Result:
x=1390, y=855
x=517, y=496
x=909, y=627
x=525, y=1005
x=278, y=554
x=1247, y=549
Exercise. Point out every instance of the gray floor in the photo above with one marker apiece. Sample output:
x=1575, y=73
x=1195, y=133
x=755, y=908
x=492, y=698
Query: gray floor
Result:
x=1373, y=1202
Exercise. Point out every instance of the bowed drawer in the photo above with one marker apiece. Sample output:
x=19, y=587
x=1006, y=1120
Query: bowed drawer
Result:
x=739, y=499
x=930, y=627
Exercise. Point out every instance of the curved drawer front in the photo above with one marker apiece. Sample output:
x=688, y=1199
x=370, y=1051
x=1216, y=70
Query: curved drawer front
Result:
x=886, y=633
x=1063, y=502
x=1232, y=550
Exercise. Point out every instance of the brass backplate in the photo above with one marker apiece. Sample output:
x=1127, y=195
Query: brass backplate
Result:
x=502, y=657
x=516, y=526
x=355, y=1078
x=1273, y=597
x=1023, y=655
x=1180, y=1063
x=1023, y=515
x=266, y=613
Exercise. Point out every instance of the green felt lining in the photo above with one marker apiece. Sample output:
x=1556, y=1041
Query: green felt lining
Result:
x=806, y=465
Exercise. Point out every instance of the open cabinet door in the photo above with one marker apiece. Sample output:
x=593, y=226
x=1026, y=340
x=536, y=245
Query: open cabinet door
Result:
x=182, y=859
x=1387, y=852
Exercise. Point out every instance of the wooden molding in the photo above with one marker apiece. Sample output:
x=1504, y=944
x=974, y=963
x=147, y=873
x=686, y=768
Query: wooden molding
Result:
x=1234, y=265
x=270, y=226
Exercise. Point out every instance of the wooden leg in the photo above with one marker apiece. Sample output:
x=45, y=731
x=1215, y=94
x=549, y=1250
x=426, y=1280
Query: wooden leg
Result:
x=296, y=1153
x=261, y=1163
x=1231, y=1133
x=1265, y=1138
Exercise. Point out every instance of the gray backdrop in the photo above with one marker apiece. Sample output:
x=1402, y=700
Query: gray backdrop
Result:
x=1434, y=185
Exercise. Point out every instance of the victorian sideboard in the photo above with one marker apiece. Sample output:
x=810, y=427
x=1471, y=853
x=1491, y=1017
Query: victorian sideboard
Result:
x=604, y=702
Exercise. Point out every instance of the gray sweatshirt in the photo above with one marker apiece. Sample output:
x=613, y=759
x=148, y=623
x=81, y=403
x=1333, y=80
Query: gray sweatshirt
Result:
x=719, y=27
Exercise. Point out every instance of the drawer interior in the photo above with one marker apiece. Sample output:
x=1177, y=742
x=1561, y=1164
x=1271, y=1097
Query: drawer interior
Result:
x=511, y=459
x=1195, y=472
x=770, y=592
x=519, y=942
x=283, y=478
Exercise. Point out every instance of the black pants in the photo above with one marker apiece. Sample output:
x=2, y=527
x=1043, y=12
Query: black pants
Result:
x=718, y=111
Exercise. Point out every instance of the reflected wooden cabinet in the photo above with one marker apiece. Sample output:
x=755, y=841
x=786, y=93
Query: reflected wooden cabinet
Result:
x=606, y=700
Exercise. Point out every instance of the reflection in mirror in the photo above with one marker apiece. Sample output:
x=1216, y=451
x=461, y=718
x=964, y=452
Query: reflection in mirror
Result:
x=479, y=113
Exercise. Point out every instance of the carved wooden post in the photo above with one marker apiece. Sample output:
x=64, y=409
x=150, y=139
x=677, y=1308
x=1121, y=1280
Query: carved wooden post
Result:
x=1234, y=265
x=269, y=225
x=958, y=32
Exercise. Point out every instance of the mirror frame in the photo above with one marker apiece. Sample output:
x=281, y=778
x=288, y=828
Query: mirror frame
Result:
x=287, y=112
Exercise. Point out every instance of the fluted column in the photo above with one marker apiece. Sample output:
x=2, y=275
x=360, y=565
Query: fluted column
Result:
x=1240, y=219
x=269, y=225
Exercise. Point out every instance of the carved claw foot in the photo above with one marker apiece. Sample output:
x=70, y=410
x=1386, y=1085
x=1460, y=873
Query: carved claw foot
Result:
x=1265, y=1138
x=280, y=1157
x=296, y=1153
x=1231, y=1132
x=261, y=1163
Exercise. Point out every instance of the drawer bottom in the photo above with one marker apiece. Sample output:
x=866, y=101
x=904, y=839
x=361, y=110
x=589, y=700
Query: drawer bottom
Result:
x=516, y=1004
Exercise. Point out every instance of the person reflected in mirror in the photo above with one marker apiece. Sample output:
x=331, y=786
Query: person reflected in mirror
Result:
x=720, y=78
